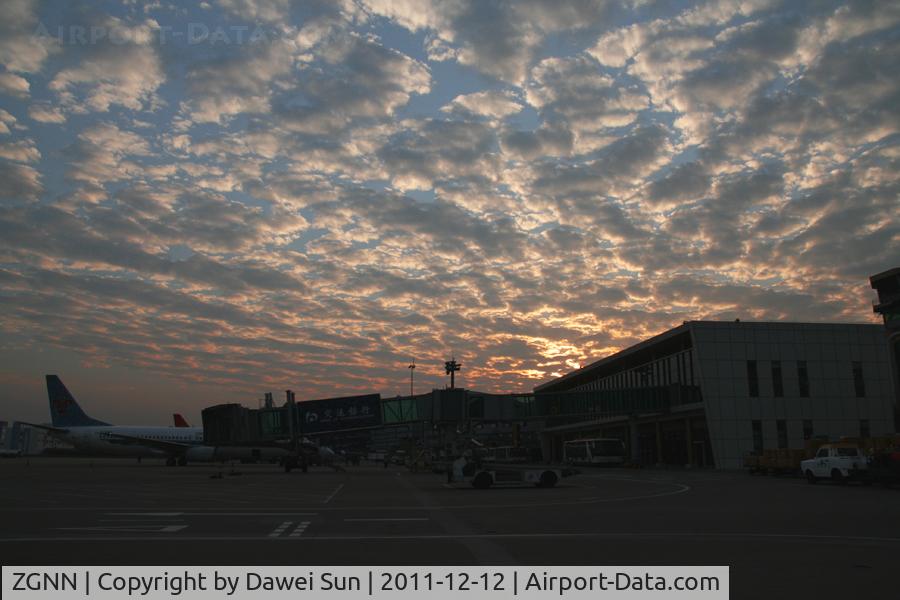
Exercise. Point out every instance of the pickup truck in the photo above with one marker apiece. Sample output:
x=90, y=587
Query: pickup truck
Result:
x=838, y=462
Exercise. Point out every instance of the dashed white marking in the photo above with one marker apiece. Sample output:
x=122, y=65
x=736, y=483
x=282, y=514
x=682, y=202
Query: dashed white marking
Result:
x=298, y=531
x=280, y=529
x=334, y=493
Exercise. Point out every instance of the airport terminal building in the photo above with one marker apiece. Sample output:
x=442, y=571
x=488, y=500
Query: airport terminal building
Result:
x=705, y=393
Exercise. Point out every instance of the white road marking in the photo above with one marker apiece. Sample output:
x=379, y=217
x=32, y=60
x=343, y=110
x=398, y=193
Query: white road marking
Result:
x=139, y=520
x=389, y=519
x=298, y=531
x=217, y=514
x=130, y=528
x=334, y=493
x=707, y=536
x=680, y=489
x=280, y=529
x=149, y=514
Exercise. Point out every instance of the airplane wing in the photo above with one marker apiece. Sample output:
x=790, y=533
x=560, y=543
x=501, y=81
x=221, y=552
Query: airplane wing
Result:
x=167, y=446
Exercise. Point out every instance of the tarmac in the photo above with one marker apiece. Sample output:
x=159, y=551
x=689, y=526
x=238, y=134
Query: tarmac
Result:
x=781, y=537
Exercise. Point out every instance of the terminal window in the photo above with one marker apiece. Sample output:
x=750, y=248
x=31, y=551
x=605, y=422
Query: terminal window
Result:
x=859, y=383
x=807, y=429
x=752, y=379
x=777, y=383
x=781, y=424
x=803, y=378
x=757, y=437
x=864, y=430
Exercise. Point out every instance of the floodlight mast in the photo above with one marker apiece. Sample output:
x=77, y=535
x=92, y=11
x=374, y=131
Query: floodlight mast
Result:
x=451, y=367
x=412, y=370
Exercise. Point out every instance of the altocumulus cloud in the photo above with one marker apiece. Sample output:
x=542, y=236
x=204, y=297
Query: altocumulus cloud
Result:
x=364, y=182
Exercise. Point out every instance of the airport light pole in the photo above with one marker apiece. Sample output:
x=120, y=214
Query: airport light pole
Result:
x=412, y=370
x=451, y=367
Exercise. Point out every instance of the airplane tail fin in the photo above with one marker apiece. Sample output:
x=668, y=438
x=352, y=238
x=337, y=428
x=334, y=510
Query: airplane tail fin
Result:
x=64, y=410
x=180, y=421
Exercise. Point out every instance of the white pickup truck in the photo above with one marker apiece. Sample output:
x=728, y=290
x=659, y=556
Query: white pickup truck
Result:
x=838, y=462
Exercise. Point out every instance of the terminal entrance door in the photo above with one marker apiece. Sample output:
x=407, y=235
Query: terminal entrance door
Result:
x=674, y=443
x=647, y=444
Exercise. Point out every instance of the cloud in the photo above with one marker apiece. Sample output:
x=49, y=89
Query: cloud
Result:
x=23, y=48
x=548, y=140
x=14, y=85
x=491, y=104
x=438, y=149
x=19, y=182
x=124, y=72
x=21, y=151
x=46, y=113
x=255, y=10
x=528, y=185
x=359, y=79
x=237, y=83
x=498, y=38
x=686, y=182
x=575, y=90
x=102, y=154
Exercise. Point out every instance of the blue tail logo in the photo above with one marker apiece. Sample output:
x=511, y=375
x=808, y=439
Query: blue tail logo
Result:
x=64, y=410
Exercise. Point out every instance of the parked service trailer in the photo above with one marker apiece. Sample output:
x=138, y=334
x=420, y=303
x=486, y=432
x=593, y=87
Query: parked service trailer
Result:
x=484, y=475
x=884, y=467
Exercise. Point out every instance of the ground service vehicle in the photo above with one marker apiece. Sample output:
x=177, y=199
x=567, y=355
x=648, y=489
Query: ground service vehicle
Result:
x=839, y=462
x=595, y=451
x=482, y=475
x=506, y=454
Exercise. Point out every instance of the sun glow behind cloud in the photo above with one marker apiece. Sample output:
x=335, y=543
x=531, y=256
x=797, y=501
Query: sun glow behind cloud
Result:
x=315, y=193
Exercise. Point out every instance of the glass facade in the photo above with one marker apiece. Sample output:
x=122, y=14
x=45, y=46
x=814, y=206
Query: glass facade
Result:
x=677, y=368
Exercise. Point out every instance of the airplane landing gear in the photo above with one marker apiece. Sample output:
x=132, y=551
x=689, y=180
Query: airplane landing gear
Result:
x=170, y=461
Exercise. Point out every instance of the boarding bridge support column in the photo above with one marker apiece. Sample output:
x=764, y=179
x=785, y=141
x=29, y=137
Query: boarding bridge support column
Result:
x=634, y=439
x=689, y=437
x=547, y=447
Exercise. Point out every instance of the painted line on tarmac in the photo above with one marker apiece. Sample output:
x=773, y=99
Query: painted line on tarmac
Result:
x=144, y=528
x=215, y=514
x=142, y=520
x=298, y=531
x=280, y=529
x=334, y=493
x=387, y=519
x=450, y=536
x=681, y=489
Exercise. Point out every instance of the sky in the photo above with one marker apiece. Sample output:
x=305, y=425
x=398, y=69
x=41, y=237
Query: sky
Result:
x=204, y=201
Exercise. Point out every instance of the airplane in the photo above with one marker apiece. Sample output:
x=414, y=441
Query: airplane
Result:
x=178, y=445
x=72, y=425
x=180, y=421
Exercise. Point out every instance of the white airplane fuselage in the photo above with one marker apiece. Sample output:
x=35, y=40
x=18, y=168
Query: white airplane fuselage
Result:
x=102, y=439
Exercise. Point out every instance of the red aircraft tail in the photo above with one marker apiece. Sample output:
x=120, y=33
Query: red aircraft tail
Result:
x=179, y=420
